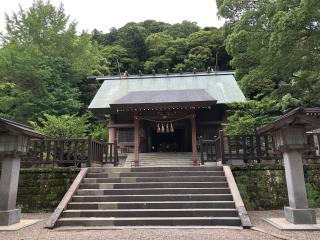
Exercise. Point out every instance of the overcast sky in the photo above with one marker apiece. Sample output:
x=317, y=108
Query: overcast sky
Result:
x=104, y=14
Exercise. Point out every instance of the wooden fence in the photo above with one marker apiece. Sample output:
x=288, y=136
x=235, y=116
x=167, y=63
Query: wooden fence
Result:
x=68, y=152
x=249, y=148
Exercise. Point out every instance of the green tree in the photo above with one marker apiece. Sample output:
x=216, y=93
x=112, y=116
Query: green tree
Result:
x=246, y=117
x=204, y=47
x=45, y=60
x=100, y=132
x=275, y=47
x=159, y=51
x=166, y=46
x=132, y=37
x=64, y=126
x=117, y=56
x=275, y=50
x=182, y=30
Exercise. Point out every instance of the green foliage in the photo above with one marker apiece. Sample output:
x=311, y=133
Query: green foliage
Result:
x=268, y=190
x=100, y=132
x=160, y=46
x=45, y=60
x=275, y=48
x=41, y=189
x=246, y=117
x=65, y=126
x=182, y=30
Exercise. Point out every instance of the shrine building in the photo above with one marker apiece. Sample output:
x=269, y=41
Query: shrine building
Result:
x=167, y=112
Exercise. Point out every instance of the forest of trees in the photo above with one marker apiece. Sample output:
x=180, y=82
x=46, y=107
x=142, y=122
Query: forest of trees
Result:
x=274, y=47
x=157, y=45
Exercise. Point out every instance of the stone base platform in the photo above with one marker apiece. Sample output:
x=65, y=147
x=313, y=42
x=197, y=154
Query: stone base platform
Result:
x=10, y=217
x=283, y=224
x=22, y=224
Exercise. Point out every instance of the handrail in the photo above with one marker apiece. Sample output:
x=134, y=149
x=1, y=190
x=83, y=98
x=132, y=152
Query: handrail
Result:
x=62, y=152
x=250, y=147
x=66, y=199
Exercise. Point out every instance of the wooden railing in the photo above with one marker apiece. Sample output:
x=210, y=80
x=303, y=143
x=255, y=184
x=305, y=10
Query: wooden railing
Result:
x=105, y=153
x=68, y=152
x=249, y=148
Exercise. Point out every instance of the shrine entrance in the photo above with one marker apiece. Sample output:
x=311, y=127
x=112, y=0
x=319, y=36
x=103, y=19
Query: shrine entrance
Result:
x=167, y=142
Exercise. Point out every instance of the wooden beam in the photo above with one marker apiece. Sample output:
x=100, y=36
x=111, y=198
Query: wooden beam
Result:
x=121, y=125
x=194, y=139
x=210, y=123
x=136, y=139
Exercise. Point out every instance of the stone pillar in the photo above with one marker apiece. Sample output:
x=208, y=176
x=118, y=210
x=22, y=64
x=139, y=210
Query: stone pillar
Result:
x=112, y=130
x=298, y=211
x=136, y=140
x=8, y=191
x=194, y=140
x=291, y=142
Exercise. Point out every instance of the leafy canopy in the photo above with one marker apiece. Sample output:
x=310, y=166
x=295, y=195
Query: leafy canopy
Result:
x=64, y=126
x=44, y=60
x=275, y=49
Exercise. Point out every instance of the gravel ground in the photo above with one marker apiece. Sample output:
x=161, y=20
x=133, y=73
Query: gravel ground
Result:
x=38, y=232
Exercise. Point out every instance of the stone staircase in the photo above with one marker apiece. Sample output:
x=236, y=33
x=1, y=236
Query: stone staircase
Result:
x=151, y=196
x=162, y=159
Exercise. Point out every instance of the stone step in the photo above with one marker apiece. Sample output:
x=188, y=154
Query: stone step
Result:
x=161, y=154
x=173, y=173
x=164, y=160
x=156, y=179
x=168, y=164
x=151, y=191
x=162, y=192
x=155, y=174
x=154, y=185
x=165, y=165
x=182, y=159
x=152, y=205
x=150, y=198
x=197, y=212
x=168, y=158
x=192, y=169
x=154, y=169
x=151, y=221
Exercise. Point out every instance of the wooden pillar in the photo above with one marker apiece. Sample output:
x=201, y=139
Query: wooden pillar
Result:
x=194, y=139
x=112, y=130
x=136, y=139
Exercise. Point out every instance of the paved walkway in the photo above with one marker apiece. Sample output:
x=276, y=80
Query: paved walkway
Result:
x=37, y=232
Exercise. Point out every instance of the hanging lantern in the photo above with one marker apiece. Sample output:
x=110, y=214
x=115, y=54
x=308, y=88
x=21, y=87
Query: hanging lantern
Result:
x=167, y=128
x=162, y=128
x=171, y=128
x=158, y=128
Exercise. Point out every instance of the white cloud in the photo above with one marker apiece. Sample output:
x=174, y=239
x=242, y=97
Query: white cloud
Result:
x=104, y=14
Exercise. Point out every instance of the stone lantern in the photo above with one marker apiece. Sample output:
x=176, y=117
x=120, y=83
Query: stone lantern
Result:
x=14, y=139
x=289, y=133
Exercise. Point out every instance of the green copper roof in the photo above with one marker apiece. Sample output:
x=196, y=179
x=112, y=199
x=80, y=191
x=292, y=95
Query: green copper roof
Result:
x=221, y=86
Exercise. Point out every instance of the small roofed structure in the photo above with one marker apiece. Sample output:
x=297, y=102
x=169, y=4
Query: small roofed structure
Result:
x=289, y=133
x=14, y=139
x=165, y=112
x=308, y=117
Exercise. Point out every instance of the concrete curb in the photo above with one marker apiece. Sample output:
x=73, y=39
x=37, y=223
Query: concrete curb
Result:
x=66, y=199
x=245, y=220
